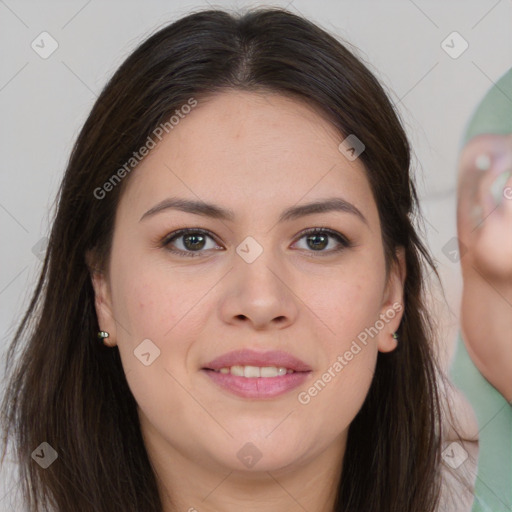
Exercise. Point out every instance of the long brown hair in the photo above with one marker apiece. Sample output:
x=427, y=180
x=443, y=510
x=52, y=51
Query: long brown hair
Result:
x=68, y=390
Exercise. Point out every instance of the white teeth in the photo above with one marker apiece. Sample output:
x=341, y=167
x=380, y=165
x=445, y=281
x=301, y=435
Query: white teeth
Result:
x=270, y=371
x=252, y=372
x=237, y=370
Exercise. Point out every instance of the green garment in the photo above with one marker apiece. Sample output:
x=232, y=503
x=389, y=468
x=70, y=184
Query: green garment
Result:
x=493, y=486
x=494, y=113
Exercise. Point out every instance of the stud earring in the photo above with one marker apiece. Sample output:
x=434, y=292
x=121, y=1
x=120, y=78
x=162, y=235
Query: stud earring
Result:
x=103, y=334
x=395, y=336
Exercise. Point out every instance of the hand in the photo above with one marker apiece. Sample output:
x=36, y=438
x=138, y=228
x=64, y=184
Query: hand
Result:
x=484, y=222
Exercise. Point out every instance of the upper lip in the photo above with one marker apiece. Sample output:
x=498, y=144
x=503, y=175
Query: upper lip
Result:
x=247, y=357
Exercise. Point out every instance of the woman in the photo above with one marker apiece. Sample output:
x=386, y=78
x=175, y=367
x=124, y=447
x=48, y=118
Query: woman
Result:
x=236, y=224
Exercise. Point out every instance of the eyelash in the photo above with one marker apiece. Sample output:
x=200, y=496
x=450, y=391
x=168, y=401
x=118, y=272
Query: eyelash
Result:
x=344, y=242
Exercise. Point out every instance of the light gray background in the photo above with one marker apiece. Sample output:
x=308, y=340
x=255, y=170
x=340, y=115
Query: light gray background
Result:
x=44, y=102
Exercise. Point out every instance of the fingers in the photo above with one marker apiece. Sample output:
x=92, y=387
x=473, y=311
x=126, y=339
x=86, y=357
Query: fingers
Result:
x=485, y=168
x=507, y=199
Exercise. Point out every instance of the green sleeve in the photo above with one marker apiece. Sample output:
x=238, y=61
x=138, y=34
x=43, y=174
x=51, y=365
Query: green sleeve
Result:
x=493, y=486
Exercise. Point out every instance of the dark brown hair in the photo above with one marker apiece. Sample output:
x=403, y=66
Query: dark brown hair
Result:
x=69, y=390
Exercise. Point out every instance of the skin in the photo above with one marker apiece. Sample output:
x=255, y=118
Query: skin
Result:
x=485, y=231
x=256, y=154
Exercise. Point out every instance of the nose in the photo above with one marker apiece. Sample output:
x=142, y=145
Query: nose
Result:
x=259, y=294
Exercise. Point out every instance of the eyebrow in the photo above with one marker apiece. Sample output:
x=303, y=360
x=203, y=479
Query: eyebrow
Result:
x=291, y=213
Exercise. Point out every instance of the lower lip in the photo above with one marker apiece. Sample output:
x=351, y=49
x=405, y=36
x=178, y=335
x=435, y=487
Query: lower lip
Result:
x=257, y=387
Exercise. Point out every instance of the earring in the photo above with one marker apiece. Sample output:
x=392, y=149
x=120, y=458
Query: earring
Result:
x=103, y=334
x=395, y=336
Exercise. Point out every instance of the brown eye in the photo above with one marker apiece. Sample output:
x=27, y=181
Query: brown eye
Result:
x=190, y=242
x=318, y=239
x=193, y=242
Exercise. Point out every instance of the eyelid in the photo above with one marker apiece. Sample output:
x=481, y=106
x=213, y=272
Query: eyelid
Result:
x=331, y=232
x=185, y=231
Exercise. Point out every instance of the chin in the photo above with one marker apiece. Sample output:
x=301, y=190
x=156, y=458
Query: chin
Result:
x=255, y=455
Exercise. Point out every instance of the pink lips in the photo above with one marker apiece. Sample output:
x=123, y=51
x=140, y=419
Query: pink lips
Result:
x=257, y=387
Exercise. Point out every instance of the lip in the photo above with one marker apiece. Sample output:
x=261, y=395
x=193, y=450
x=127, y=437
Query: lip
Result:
x=257, y=387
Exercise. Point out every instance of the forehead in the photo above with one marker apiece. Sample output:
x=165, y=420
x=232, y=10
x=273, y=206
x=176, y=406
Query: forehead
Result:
x=251, y=149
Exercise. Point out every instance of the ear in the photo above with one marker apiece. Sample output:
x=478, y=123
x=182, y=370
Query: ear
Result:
x=393, y=303
x=102, y=300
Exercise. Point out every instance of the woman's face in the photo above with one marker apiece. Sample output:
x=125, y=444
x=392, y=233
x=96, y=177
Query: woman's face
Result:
x=255, y=290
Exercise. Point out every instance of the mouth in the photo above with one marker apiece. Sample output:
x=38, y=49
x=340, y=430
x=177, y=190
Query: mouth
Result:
x=250, y=374
x=253, y=372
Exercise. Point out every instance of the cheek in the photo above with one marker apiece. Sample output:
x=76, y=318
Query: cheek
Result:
x=350, y=307
x=350, y=301
x=337, y=391
x=152, y=304
x=153, y=300
x=167, y=307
